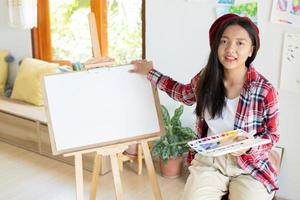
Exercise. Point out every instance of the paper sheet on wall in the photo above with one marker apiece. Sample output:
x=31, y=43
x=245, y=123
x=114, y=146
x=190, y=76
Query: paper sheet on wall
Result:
x=226, y=1
x=286, y=12
x=244, y=9
x=234, y=1
x=244, y=1
x=290, y=66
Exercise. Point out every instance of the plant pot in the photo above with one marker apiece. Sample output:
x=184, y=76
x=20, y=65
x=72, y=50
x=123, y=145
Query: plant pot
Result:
x=171, y=169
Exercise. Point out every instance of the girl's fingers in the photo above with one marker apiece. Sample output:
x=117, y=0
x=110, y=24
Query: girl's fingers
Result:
x=239, y=138
x=134, y=62
x=238, y=153
x=141, y=66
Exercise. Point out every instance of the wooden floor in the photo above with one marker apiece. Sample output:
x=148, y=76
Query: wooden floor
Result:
x=28, y=176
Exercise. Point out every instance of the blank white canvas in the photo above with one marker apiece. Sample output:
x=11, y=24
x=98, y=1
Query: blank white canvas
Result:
x=97, y=106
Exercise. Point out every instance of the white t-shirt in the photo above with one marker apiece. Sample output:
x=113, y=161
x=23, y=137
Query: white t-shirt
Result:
x=224, y=123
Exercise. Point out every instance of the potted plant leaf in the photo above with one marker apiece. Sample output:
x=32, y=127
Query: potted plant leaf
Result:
x=173, y=144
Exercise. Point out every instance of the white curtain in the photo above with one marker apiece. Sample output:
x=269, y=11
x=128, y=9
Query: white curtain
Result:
x=22, y=13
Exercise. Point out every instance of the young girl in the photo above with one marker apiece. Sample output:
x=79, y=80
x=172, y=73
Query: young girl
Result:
x=229, y=94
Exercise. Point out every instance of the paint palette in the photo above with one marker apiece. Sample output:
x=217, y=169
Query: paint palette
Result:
x=224, y=143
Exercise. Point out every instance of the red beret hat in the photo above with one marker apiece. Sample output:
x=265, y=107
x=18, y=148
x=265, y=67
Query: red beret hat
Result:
x=225, y=18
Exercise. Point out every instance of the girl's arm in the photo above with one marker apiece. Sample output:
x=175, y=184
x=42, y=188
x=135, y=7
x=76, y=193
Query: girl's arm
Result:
x=184, y=93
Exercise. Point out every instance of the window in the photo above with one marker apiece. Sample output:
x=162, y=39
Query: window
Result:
x=124, y=30
x=63, y=30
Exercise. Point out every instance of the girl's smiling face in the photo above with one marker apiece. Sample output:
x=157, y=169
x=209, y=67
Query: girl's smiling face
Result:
x=235, y=47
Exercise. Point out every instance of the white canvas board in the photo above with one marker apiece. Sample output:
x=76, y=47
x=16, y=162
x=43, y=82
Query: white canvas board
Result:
x=99, y=106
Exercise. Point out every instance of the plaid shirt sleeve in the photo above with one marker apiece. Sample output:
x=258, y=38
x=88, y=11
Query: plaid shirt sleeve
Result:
x=184, y=93
x=270, y=117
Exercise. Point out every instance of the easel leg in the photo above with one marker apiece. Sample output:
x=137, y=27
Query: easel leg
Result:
x=79, y=177
x=139, y=159
x=95, y=177
x=116, y=175
x=120, y=161
x=151, y=171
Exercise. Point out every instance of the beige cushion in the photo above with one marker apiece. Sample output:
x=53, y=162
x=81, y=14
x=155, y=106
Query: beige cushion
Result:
x=3, y=71
x=28, y=84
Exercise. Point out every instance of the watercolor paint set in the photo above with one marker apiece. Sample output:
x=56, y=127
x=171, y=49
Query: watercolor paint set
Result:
x=224, y=143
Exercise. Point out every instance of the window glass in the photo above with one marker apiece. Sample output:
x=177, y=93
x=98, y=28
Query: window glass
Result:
x=124, y=30
x=70, y=35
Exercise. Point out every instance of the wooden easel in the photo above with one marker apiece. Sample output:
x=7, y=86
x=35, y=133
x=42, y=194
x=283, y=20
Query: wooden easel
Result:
x=112, y=151
x=94, y=35
x=97, y=60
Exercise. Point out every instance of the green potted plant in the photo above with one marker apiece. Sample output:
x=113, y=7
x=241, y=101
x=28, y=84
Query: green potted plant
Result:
x=173, y=144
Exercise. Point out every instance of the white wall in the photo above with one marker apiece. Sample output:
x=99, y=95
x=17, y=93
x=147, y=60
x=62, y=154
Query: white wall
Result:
x=177, y=42
x=16, y=41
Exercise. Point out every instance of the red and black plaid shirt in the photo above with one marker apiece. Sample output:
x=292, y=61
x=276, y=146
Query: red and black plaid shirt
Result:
x=257, y=110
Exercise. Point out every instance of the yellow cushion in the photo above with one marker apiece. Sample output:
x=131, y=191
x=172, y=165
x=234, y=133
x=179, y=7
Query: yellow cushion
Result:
x=28, y=84
x=3, y=71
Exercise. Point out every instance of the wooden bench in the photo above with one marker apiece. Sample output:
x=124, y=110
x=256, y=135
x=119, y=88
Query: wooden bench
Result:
x=25, y=126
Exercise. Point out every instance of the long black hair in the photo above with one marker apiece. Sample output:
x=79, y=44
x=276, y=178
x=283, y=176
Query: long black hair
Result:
x=210, y=90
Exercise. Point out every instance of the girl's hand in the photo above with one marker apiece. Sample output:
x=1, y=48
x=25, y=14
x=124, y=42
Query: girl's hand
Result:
x=141, y=67
x=239, y=138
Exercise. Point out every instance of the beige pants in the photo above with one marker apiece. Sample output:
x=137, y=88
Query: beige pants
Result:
x=210, y=178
